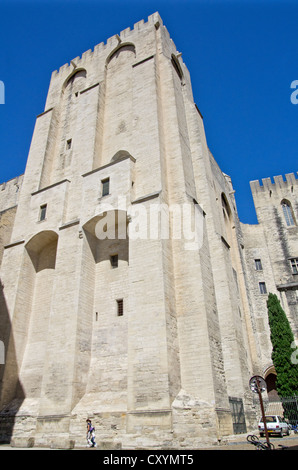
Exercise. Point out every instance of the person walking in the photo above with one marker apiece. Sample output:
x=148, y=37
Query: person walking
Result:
x=90, y=434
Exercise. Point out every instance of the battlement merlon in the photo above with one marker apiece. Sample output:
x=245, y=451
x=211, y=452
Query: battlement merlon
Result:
x=268, y=187
x=9, y=192
x=16, y=181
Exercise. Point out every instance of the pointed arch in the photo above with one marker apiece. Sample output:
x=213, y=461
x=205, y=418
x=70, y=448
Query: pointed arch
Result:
x=270, y=379
x=77, y=72
x=123, y=46
x=288, y=213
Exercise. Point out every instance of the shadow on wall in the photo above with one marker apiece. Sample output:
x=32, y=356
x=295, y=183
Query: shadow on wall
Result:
x=10, y=400
x=107, y=235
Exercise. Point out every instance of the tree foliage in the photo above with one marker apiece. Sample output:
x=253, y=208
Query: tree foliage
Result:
x=283, y=351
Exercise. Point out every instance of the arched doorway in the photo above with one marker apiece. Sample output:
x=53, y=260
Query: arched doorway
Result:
x=270, y=378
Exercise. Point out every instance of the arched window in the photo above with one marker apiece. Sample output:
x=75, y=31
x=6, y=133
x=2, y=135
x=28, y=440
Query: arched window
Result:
x=75, y=80
x=288, y=213
x=125, y=46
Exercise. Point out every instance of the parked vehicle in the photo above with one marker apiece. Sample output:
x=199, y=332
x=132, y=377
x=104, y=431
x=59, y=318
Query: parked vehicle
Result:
x=275, y=425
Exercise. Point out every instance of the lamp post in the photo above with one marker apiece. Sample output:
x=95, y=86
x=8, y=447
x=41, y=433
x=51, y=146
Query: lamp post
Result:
x=258, y=385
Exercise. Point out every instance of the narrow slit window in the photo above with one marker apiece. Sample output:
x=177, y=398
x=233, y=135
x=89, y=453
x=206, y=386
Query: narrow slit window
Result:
x=258, y=265
x=43, y=212
x=114, y=261
x=262, y=287
x=120, y=309
x=105, y=186
x=68, y=144
x=177, y=67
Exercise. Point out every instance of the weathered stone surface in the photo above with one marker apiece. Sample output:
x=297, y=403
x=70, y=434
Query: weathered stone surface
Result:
x=157, y=372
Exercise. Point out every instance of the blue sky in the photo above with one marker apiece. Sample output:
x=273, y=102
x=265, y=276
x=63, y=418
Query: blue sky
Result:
x=242, y=56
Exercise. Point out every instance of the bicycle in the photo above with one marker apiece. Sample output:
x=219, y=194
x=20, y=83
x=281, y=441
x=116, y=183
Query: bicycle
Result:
x=252, y=439
x=294, y=428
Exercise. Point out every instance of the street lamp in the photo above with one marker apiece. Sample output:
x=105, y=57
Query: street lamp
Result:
x=258, y=385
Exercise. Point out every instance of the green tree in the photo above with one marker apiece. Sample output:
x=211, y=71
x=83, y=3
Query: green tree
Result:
x=283, y=351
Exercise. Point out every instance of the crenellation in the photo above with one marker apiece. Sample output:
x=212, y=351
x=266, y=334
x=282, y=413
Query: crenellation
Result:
x=138, y=25
x=291, y=179
x=113, y=40
x=124, y=33
x=266, y=183
x=63, y=68
x=86, y=55
x=255, y=186
x=76, y=60
x=99, y=48
x=155, y=17
x=9, y=192
x=268, y=187
x=279, y=181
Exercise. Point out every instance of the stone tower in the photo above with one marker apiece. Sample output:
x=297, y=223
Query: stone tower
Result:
x=147, y=331
x=271, y=253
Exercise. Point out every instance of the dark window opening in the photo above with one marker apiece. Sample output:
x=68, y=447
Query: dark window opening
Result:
x=258, y=265
x=262, y=287
x=105, y=187
x=177, y=66
x=120, y=307
x=42, y=213
x=294, y=265
x=114, y=261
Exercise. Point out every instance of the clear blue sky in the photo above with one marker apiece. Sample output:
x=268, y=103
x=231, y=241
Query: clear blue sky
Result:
x=242, y=56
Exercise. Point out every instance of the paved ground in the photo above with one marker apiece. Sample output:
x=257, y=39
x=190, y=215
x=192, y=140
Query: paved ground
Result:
x=237, y=442
x=240, y=443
